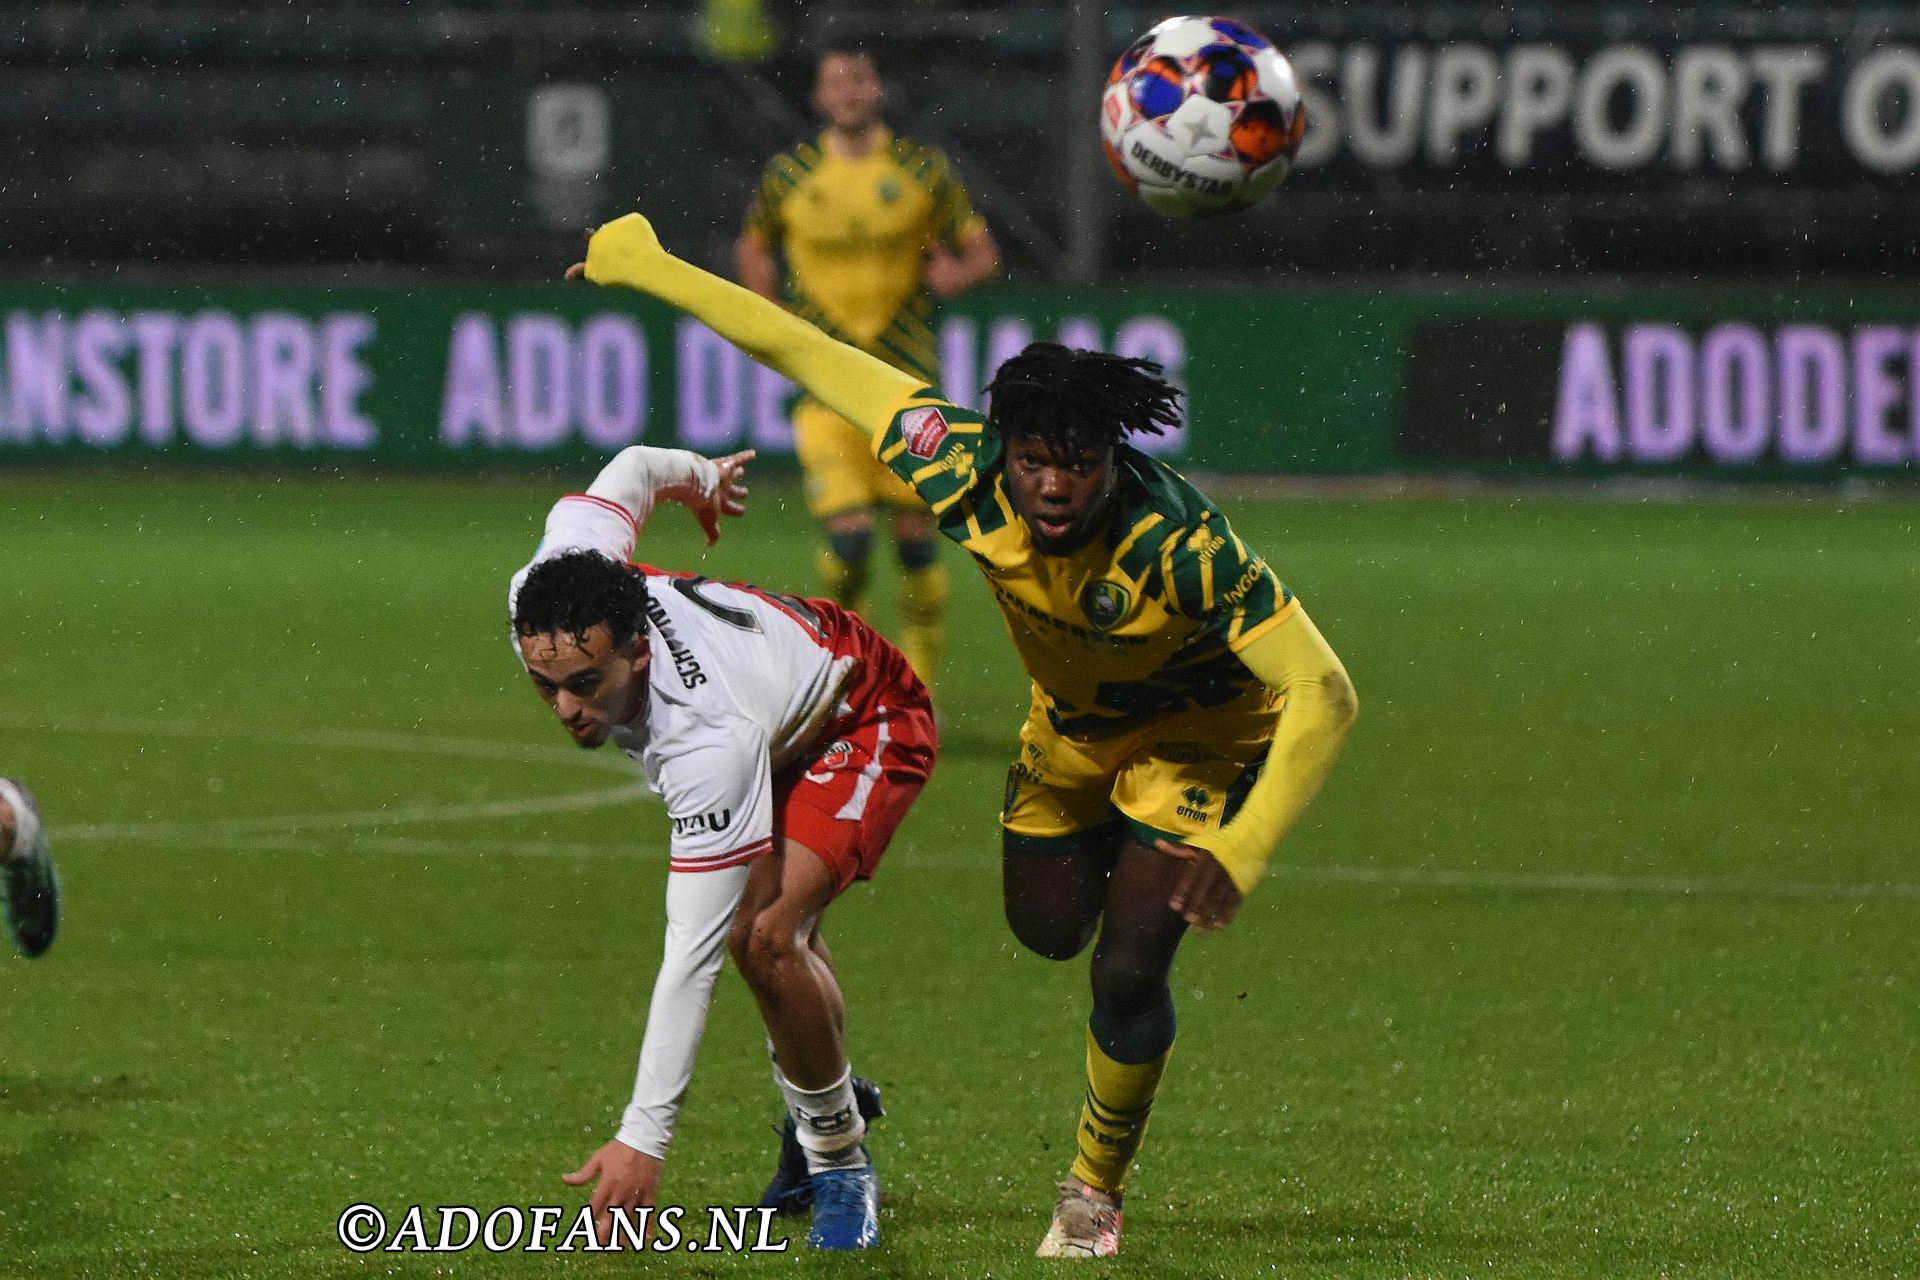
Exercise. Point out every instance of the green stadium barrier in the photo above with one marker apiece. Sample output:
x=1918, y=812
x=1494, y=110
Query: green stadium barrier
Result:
x=1747, y=383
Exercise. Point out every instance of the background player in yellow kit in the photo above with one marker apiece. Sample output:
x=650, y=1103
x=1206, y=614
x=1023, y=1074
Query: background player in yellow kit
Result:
x=872, y=228
x=1185, y=708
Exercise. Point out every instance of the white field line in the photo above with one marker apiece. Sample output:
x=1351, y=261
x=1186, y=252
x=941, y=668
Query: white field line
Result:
x=419, y=846
x=1496, y=881
x=276, y=833
x=344, y=739
x=202, y=830
x=206, y=831
x=1583, y=882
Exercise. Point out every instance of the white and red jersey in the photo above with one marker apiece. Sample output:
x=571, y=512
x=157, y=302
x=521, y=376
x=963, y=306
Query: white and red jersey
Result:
x=742, y=685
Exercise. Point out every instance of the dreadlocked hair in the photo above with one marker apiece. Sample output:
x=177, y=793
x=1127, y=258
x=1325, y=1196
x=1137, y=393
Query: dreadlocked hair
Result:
x=572, y=594
x=1070, y=399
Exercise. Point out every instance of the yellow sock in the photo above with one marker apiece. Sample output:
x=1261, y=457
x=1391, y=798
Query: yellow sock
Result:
x=923, y=619
x=1113, y=1120
x=846, y=583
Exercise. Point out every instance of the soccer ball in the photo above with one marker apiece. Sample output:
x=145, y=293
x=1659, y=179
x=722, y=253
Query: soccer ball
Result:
x=1202, y=116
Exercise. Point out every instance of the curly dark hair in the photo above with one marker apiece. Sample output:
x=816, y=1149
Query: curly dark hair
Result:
x=571, y=594
x=1070, y=399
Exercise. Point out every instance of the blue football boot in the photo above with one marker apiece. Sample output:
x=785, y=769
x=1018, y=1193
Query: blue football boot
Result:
x=791, y=1191
x=846, y=1209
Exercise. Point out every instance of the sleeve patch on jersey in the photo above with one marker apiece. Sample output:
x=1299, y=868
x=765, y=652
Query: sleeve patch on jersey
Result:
x=923, y=429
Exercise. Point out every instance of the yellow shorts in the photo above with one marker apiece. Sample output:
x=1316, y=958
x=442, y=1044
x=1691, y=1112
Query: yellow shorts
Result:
x=841, y=472
x=1173, y=777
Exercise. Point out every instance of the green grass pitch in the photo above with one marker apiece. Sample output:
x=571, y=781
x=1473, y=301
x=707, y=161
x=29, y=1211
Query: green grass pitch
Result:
x=1597, y=957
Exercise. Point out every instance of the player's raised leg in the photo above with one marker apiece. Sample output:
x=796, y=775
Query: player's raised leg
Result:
x=1060, y=835
x=1053, y=888
x=29, y=889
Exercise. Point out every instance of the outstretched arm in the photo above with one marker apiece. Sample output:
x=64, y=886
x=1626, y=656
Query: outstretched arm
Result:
x=707, y=875
x=639, y=476
x=625, y=1171
x=860, y=388
x=608, y=517
x=1294, y=659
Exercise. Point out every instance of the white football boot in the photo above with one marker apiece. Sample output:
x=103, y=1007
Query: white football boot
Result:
x=1086, y=1224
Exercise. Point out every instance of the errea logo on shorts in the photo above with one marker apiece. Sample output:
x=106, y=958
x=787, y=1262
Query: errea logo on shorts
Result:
x=923, y=429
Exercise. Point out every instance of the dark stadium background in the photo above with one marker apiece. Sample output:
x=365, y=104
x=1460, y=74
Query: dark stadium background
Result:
x=395, y=135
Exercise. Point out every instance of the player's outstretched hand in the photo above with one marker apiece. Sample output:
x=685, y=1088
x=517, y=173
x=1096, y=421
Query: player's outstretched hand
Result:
x=624, y=251
x=1205, y=896
x=729, y=497
x=627, y=1179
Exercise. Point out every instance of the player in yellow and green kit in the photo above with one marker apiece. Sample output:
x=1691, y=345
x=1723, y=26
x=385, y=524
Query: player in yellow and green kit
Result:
x=872, y=227
x=1185, y=708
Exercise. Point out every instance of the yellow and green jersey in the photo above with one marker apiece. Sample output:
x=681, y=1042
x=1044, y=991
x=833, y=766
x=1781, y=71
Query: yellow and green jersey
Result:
x=855, y=235
x=1140, y=623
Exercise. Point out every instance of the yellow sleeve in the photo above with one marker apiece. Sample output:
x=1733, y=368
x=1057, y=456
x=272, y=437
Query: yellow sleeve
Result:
x=864, y=390
x=766, y=215
x=954, y=219
x=1295, y=660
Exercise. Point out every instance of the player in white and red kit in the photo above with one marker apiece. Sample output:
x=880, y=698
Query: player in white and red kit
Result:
x=788, y=740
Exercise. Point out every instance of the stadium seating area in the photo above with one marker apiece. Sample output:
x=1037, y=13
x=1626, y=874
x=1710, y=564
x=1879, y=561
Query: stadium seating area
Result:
x=361, y=132
x=251, y=131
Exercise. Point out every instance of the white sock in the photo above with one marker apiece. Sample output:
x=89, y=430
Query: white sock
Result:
x=26, y=823
x=828, y=1122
